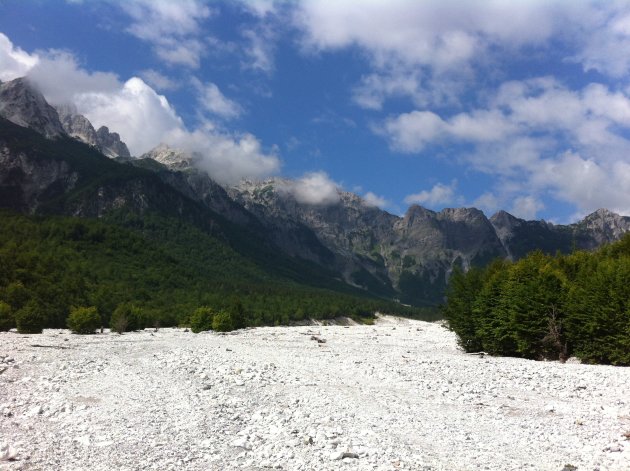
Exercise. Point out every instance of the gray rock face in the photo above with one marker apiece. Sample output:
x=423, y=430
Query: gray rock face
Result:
x=175, y=159
x=23, y=105
x=77, y=126
x=603, y=226
x=26, y=182
x=372, y=248
x=110, y=144
x=175, y=168
x=520, y=237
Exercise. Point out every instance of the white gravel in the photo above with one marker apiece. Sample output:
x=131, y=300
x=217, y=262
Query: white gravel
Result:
x=397, y=395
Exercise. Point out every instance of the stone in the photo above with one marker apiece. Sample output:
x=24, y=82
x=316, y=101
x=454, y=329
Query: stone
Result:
x=7, y=452
x=336, y=455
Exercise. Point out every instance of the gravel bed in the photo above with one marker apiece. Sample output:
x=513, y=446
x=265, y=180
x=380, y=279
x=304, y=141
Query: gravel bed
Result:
x=396, y=395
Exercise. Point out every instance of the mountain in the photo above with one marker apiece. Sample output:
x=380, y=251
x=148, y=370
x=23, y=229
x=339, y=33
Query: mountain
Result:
x=78, y=126
x=520, y=237
x=409, y=258
x=22, y=104
x=343, y=242
x=25, y=106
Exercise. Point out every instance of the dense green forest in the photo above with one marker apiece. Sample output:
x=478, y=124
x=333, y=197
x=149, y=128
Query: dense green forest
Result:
x=547, y=307
x=157, y=270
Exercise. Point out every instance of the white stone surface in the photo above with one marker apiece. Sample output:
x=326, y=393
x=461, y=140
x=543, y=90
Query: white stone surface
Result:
x=397, y=395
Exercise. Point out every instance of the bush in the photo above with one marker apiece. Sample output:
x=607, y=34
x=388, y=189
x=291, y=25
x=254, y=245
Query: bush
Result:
x=7, y=319
x=201, y=319
x=222, y=322
x=237, y=313
x=127, y=318
x=84, y=320
x=29, y=319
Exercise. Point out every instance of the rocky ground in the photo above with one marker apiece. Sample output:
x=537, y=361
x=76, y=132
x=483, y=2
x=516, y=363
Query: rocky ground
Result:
x=397, y=395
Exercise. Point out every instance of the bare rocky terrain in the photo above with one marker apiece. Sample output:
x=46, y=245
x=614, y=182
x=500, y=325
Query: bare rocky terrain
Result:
x=396, y=395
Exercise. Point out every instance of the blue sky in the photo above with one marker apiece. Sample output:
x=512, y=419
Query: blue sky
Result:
x=515, y=105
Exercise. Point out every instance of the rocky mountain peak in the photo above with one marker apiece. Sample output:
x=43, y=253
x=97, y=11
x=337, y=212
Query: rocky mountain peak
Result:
x=110, y=144
x=25, y=106
x=76, y=125
x=605, y=225
x=175, y=159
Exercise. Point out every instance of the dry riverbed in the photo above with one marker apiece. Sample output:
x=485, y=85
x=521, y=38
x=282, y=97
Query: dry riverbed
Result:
x=397, y=395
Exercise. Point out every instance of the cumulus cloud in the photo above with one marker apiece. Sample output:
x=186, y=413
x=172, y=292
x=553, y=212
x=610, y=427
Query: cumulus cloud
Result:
x=14, y=62
x=135, y=110
x=60, y=77
x=411, y=132
x=526, y=133
x=526, y=207
x=226, y=157
x=172, y=28
x=260, y=48
x=487, y=202
x=158, y=80
x=373, y=199
x=141, y=116
x=314, y=188
x=215, y=102
x=439, y=195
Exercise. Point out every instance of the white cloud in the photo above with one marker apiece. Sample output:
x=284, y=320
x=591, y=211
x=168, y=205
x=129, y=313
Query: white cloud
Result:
x=525, y=135
x=226, y=157
x=214, y=101
x=373, y=199
x=314, y=189
x=60, y=78
x=135, y=111
x=526, y=207
x=606, y=44
x=158, y=80
x=487, y=202
x=411, y=132
x=14, y=62
x=142, y=117
x=439, y=195
x=171, y=27
x=260, y=48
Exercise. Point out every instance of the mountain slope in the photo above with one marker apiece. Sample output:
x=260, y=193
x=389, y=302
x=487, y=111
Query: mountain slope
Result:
x=25, y=106
x=66, y=177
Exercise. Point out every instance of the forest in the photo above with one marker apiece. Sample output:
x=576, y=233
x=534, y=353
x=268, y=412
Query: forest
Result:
x=157, y=270
x=546, y=307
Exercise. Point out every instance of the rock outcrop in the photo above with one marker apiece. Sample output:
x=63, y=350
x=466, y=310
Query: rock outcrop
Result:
x=25, y=106
x=109, y=143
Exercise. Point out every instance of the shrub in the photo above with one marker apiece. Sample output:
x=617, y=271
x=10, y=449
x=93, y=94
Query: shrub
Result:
x=127, y=318
x=84, y=320
x=29, y=319
x=119, y=321
x=202, y=319
x=237, y=312
x=7, y=319
x=222, y=322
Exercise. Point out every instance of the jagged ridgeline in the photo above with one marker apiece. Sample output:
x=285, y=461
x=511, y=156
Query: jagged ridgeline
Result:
x=547, y=307
x=53, y=162
x=135, y=239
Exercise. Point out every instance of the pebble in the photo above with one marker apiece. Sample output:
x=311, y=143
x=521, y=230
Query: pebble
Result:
x=373, y=398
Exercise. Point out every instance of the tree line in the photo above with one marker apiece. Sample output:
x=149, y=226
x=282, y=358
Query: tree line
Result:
x=546, y=307
x=158, y=273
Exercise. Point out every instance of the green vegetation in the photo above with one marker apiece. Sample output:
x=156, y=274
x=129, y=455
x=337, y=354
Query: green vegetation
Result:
x=201, y=319
x=7, y=319
x=30, y=318
x=84, y=320
x=143, y=271
x=222, y=322
x=546, y=307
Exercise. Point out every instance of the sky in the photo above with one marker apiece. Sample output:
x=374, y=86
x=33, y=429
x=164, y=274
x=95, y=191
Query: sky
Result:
x=520, y=105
